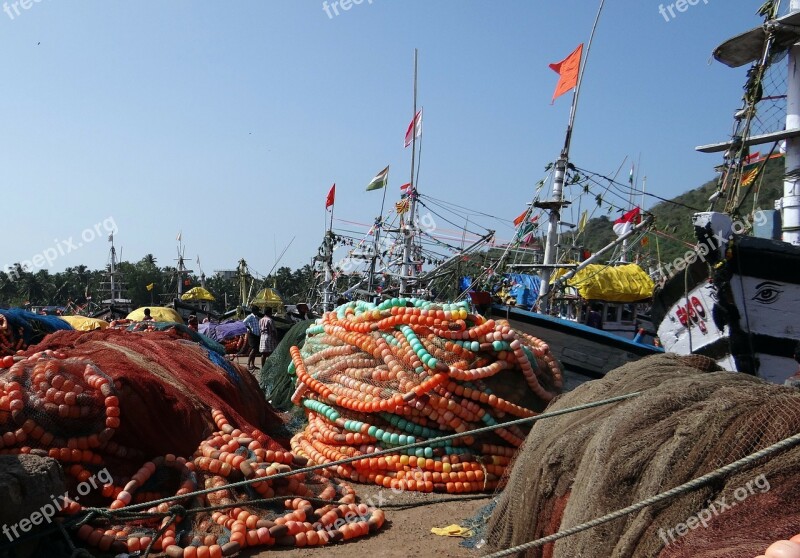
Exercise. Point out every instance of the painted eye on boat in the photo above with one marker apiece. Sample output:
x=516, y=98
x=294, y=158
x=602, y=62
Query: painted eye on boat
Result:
x=767, y=292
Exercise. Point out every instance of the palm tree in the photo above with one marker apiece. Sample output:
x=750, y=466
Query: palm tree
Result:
x=34, y=287
x=8, y=288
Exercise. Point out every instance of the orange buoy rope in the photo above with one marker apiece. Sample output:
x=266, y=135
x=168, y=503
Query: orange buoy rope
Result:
x=374, y=377
x=47, y=396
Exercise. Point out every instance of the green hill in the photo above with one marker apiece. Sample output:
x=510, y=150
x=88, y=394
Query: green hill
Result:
x=674, y=217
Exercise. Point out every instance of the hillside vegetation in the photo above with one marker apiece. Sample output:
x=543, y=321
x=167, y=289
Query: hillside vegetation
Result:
x=674, y=217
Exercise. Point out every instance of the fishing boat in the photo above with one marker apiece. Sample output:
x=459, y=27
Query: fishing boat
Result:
x=738, y=297
x=589, y=352
x=393, y=258
x=115, y=304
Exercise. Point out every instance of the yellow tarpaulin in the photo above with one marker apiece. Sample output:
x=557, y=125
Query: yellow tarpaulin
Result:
x=198, y=293
x=623, y=283
x=84, y=323
x=159, y=314
x=271, y=298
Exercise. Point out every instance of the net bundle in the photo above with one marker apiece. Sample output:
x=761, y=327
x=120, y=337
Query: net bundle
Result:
x=153, y=416
x=686, y=423
x=406, y=371
x=19, y=329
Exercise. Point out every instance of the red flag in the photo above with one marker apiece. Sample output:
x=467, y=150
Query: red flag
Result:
x=568, y=69
x=416, y=123
x=625, y=223
x=331, y=196
x=405, y=188
x=750, y=159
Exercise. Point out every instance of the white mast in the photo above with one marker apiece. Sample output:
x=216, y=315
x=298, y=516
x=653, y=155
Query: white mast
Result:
x=113, y=269
x=555, y=204
x=409, y=269
x=790, y=203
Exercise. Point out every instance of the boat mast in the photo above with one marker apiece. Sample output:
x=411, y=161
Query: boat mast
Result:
x=790, y=203
x=409, y=270
x=375, y=247
x=555, y=204
x=327, y=265
x=113, y=269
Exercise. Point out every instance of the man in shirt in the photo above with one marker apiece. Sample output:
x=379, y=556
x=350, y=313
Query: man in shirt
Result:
x=253, y=334
x=269, y=335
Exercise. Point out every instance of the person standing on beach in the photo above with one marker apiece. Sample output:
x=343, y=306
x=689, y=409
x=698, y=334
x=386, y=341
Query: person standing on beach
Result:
x=269, y=335
x=253, y=334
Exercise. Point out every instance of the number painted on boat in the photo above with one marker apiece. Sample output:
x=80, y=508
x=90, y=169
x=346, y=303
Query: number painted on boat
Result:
x=692, y=313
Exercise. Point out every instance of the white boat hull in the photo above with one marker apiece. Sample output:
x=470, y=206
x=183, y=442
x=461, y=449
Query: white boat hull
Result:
x=745, y=317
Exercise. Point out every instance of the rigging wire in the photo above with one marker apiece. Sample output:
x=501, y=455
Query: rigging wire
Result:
x=636, y=190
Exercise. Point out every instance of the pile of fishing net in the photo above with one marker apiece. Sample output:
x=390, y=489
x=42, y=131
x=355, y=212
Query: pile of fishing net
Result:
x=277, y=385
x=20, y=329
x=686, y=423
x=154, y=416
x=408, y=371
x=180, y=331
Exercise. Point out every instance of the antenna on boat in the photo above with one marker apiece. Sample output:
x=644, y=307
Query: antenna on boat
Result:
x=558, y=202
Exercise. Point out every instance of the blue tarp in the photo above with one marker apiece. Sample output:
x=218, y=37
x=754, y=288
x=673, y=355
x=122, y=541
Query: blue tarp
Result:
x=34, y=326
x=221, y=332
x=525, y=288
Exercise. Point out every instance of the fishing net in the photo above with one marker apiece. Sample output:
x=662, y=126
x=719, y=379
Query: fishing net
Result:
x=687, y=423
x=276, y=383
x=19, y=329
x=406, y=371
x=181, y=331
x=141, y=416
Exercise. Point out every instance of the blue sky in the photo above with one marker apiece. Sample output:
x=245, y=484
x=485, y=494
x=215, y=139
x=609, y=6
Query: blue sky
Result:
x=228, y=122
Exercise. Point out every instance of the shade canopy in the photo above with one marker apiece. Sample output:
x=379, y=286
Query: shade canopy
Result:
x=158, y=313
x=84, y=323
x=198, y=293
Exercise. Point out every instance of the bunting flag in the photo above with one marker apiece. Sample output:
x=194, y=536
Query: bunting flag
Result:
x=331, y=197
x=752, y=165
x=568, y=69
x=625, y=223
x=416, y=123
x=750, y=159
x=521, y=219
x=583, y=221
x=379, y=181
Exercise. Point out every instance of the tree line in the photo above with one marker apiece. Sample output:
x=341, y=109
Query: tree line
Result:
x=81, y=290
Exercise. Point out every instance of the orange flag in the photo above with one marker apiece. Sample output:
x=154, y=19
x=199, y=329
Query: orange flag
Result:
x=568, y=69
x=518, y=221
